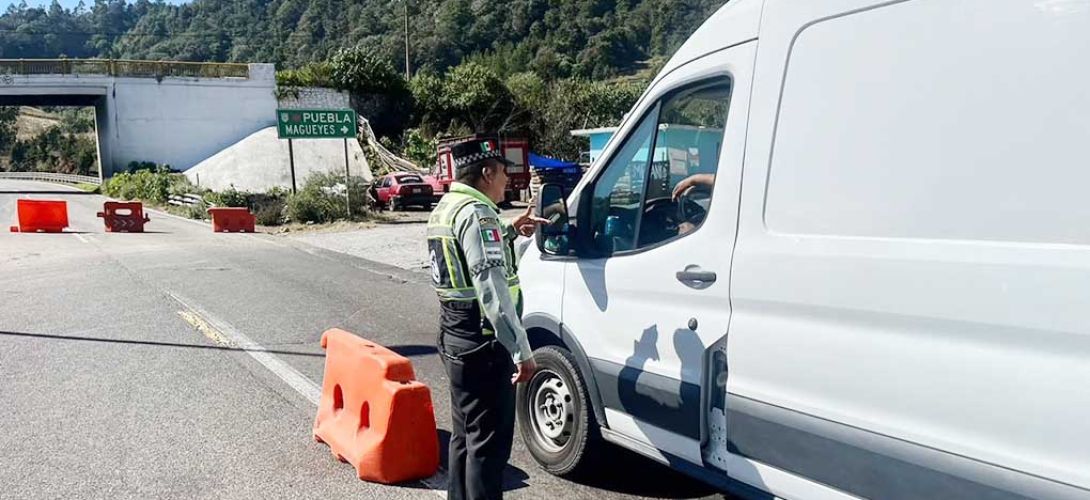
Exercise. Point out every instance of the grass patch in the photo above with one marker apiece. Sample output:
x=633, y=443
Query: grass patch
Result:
x=321, y=201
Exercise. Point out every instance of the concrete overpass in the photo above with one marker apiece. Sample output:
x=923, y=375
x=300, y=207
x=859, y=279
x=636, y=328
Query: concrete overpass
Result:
x=164, y=112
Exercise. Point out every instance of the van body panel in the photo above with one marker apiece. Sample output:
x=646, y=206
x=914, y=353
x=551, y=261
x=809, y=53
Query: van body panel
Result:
x=871, y=465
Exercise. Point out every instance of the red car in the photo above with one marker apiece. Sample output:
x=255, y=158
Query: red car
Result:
x=401, y=189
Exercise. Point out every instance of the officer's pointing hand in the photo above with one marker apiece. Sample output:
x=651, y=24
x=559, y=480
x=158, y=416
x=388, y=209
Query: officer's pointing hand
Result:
x=526, y=222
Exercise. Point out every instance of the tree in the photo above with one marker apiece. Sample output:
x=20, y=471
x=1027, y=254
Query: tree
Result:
x=429, y=105
x=8, y=117
x=556, y=39
x=477, y=98
x=530, y=94
x=359, y=70
x=576, y=104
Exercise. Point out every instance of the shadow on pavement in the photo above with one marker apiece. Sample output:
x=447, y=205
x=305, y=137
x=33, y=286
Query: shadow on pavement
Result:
x=155, y=344
x=413, y=350
x=514, y=478
x=66, y=231
x=139, y=232
x=626, y=472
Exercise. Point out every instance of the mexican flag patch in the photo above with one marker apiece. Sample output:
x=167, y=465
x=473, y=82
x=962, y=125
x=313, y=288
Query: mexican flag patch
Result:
x=490, y=235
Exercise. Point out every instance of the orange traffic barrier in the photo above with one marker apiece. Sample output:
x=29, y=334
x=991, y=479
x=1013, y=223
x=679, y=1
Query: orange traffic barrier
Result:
x=125, y=217
x=232, y=220
x=48, y=216
x=374, y=414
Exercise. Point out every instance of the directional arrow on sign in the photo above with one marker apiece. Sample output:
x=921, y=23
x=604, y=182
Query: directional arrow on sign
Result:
x=344, y=129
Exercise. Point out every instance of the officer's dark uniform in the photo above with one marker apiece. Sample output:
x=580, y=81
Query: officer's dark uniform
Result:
x=481, y=333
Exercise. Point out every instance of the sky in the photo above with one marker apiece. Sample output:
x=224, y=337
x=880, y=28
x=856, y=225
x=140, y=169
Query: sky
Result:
x=68, y=4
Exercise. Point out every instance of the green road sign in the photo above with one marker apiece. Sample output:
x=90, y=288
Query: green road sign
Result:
x=316, y=123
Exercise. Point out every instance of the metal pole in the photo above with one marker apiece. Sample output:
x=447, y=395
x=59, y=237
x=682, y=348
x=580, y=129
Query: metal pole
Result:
x=347, y=182
x=408, y=73
x=291, y=161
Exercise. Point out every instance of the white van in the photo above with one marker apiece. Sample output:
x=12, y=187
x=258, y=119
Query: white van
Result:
x=878, y=283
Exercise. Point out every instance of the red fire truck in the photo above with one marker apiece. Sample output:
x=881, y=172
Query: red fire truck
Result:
x=517, y=150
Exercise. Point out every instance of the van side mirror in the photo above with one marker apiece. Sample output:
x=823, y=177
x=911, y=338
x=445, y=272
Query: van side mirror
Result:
x=554, y=237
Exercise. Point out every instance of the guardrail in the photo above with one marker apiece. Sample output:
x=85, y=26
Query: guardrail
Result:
x=123, y=68
x=51, y=177
x=186, y=200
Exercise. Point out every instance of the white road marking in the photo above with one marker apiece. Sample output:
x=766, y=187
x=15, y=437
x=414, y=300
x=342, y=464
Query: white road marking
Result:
x=80, y=238
x=303, y=385
x=221, y=332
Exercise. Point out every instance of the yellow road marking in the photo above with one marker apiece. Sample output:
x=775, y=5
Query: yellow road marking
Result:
x=198, y=323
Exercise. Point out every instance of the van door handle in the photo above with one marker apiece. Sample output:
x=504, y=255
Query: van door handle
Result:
x=694, y=277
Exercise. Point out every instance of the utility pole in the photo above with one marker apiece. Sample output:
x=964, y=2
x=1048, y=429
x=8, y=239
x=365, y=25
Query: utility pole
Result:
x=408, y=72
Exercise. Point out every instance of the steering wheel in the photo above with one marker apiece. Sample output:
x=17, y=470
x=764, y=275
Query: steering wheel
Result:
x=659, y=215
x=688, y=208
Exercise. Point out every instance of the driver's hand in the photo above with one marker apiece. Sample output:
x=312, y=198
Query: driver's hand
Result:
x=685, y=183
x=685, y=227
x=692, y=180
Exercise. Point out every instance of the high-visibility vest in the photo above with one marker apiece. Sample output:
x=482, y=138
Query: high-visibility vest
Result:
x=449, y=271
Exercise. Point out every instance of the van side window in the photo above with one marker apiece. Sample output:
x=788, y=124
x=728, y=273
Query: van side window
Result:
x=618, y=191
x=658, y=185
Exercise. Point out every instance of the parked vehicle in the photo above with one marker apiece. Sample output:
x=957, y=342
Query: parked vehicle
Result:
x=401, y=189
x=436, y=187
x=874, y=279
x=517, y=150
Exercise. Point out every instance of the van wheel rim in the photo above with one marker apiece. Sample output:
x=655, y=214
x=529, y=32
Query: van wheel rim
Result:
x=551, y=410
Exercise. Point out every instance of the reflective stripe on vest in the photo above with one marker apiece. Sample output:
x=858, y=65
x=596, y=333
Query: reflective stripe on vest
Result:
x=450, y=274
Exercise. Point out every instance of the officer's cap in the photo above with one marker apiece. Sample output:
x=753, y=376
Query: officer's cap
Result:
x=474, y=152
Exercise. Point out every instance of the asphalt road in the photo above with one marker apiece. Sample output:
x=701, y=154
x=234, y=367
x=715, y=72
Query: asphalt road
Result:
x=125, y=373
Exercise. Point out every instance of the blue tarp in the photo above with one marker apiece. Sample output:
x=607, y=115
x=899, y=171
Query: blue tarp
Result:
x=546, y=163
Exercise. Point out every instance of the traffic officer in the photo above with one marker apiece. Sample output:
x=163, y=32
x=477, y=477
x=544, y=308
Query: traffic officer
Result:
x=481, y=338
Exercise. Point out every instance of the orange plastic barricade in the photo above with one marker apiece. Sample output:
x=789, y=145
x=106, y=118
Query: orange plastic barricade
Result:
x=232, y=220
x=48, y=216
x=125, y=217
x=374, y=414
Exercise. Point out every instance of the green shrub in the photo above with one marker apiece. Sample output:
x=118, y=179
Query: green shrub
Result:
x=270, y=214
x=322, y=199
x=148, y=182
x=146, y=185
x=269, y=207
x=312, y=205
x=197, y=211
x=179, y=185
x=136, y=166
x=229, y=198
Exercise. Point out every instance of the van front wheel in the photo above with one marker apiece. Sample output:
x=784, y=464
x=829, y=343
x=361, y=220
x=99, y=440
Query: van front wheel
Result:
x=554, y=414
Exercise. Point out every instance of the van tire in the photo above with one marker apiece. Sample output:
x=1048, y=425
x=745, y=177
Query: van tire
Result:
x=556, y=373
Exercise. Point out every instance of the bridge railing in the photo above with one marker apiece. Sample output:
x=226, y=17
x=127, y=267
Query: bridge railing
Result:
x=123, y=68
x=51, y=177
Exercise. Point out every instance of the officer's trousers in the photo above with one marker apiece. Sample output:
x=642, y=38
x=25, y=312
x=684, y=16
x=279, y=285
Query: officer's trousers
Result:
x=482, y=404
